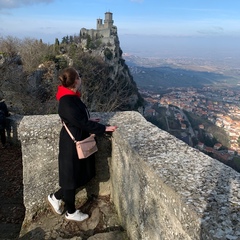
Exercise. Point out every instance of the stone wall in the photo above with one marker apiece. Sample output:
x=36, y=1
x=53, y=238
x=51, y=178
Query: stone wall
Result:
x=161, y=187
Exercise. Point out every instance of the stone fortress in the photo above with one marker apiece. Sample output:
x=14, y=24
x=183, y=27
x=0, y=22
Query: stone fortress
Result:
x=104, y=30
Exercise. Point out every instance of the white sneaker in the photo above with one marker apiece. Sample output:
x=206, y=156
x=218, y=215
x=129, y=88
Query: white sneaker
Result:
x=76, y=216
x=55, y=204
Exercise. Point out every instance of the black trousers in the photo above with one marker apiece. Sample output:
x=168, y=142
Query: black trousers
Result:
x=68, y=196
x=3, y=136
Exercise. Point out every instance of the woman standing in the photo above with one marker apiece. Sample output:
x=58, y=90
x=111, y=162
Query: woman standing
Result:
x=73, y=173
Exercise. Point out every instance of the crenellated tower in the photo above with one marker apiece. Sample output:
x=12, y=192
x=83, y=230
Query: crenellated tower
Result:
x=108, y=22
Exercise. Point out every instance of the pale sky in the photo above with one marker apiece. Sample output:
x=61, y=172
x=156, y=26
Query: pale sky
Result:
x=137, y=21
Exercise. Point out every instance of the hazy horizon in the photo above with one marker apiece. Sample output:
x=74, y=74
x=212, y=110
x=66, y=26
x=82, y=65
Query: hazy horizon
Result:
x=213, y=47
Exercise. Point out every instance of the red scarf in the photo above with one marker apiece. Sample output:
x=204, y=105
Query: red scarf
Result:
x=62, y=91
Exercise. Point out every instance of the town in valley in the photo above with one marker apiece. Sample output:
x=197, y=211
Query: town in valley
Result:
x=204, y=115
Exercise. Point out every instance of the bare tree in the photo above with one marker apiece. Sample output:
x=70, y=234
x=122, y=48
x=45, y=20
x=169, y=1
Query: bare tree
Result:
x=20, y=79
x=32, y=53
x=99, y=91
x=9, y=46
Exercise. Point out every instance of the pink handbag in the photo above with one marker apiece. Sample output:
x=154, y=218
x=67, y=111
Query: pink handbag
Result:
x=86, y=147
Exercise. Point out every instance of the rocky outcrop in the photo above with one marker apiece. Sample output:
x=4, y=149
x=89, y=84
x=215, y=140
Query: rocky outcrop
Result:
x=119, y=78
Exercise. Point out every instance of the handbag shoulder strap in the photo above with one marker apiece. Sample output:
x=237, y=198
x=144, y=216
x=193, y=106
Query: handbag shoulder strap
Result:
x=70, y=134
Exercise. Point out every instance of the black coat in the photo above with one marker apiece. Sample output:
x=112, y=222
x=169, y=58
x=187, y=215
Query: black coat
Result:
x=4, y=113
x=74, y=173
x=3, y=107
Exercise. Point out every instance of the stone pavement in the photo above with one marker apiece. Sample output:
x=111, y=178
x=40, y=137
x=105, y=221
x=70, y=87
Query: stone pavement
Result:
x=103, y=224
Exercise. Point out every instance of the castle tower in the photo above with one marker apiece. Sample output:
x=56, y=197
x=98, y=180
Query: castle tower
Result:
x=99, y=23
x=108, y=22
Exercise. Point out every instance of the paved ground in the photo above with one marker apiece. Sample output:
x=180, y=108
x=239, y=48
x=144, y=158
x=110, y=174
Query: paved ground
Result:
x=103, y=223
x=11, y=192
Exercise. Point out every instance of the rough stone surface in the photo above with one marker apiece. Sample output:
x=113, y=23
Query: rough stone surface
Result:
x=51, y=226
x=116, y=235
x=176, y=191
x=161, y=187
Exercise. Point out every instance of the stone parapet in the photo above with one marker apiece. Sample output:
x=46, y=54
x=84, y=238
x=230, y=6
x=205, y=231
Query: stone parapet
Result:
x=161, y=187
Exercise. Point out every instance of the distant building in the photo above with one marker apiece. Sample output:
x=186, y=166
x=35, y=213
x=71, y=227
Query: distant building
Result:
x=208, y=149
x=231, y=151
x=150, y=112
x=183, y=126
x=217, y=146
x=108, y=22
x=104, y=30
x=200, y=145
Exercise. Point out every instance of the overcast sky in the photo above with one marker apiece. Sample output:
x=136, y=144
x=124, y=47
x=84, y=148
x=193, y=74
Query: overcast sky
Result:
x=169, y=25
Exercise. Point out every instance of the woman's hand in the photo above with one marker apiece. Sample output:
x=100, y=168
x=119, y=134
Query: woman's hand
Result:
x=110, y=128
x=95, y=119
